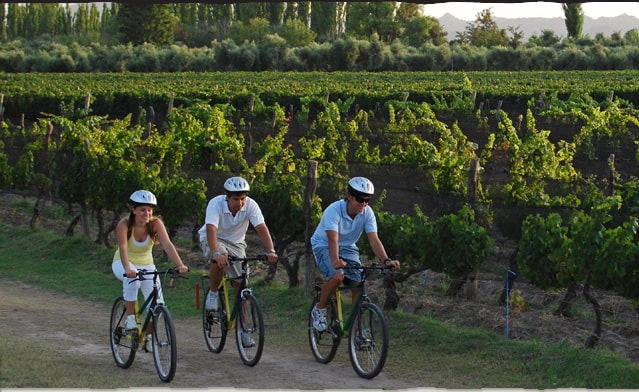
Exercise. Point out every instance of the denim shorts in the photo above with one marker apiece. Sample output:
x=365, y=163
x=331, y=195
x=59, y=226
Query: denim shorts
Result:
x=323, y=261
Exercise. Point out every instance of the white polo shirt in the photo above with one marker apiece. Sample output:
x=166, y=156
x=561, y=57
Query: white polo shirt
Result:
x=231, y=228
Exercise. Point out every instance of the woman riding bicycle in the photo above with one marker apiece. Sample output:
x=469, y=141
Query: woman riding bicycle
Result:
x=335, y=242
x=136, y=236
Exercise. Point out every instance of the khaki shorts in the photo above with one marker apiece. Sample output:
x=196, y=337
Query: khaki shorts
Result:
x=234, y=271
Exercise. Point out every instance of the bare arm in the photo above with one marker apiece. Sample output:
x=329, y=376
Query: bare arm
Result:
x=378, y=249
x=222, y=259
x=333, y=249
x=163, y=237
x=267, y=242
x=121, y=232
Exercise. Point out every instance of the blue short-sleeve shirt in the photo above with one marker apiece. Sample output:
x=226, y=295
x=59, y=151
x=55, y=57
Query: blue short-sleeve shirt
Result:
x=335, y=218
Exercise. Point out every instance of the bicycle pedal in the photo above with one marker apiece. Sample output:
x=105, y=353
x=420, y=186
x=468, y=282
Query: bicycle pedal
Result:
x=364, y=345
x=212, y=317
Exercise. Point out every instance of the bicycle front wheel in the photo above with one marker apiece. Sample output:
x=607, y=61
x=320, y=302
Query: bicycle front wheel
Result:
x=164, y=343
x=124, y=343
x=249, y=330
x=368, y=341
x=215, y=325
x=324, y=343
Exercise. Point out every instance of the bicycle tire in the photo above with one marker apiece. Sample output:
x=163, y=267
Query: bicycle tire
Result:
x=164, y=343
x=368, y=341
x=324, y=344
x=123, y=344
x=215, y=325
x=251, y=323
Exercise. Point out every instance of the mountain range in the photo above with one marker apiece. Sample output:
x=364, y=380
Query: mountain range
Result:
x=535, y=26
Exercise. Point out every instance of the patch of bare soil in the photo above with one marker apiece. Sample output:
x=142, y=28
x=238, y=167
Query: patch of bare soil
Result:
x=70, y=331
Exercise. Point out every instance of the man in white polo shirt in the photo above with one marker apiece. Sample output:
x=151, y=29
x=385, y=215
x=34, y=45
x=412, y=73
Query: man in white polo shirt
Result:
x=224, y=233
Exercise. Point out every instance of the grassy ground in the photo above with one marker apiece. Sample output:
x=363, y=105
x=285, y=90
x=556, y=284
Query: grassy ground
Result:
x=462, y=357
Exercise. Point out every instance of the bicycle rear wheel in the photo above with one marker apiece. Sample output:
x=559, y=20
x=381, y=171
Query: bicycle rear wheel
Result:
x=215, y=325
x=324, y=343
x=164, y=343
x=249, y=330
x=368, y=341
x=123, y=344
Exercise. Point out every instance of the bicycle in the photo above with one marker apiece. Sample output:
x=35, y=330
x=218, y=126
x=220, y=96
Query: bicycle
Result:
x=365, y=328
x=248, y=323
x=124, y=343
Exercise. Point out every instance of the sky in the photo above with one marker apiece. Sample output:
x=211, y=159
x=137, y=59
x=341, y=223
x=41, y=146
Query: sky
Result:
x=542, y=9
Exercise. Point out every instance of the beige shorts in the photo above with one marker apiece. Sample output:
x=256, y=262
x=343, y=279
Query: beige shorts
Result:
x=234, y=271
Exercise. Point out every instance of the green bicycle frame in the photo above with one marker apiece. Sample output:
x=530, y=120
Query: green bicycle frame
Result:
x=345, y=325
x=234, y=309
x=139, y=310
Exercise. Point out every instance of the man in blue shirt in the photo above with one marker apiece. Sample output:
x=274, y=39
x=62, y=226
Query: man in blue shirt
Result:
x=335, y=239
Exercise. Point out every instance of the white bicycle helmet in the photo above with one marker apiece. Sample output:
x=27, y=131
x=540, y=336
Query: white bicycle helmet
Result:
x=362, y=185
x=143, y=197
x=236, y=184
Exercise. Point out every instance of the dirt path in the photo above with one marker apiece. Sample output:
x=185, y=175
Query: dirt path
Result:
x=27, y=309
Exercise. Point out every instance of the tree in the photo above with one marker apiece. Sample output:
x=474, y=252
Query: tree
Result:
x=244, y=12
x=304, y=11
x=408, y=11
x=255, y=30
x=290, y=11
x=296, y=33
x=485, y=32
x=366, y=18
x=632, y=36
x=574, y=19
x=547, y=39
x=276, y=13
x=3, y=24
x=15, y=20
x=220, y=16
x=324, y=20
x=152, y=23
x=421, y=30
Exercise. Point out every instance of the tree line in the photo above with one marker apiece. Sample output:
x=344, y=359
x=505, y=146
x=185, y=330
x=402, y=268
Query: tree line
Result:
x=301, y=36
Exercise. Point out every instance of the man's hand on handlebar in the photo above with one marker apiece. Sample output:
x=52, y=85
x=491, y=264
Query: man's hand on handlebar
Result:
x=271, y=257
x=222, y=260
x=392, y=264
x=340, y=263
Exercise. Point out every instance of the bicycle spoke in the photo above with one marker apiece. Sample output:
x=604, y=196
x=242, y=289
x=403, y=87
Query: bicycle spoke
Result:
x=164, y=344
x=324, y=343
x=123, y=343
x=214, y=325
x=250, y=331
x=368, y=341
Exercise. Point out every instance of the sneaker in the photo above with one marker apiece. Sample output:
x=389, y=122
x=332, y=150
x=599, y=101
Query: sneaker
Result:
x=247, y=340
x=212, y=301
x=148, y=344
x=131, y=323
x=319, y=319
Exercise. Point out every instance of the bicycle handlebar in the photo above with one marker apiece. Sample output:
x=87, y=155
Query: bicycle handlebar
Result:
x=262, y=258
x=372, y=267
x=174, y=272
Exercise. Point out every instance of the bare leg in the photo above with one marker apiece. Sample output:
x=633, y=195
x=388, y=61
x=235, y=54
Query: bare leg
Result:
x=130, y=307
x=329, y=288
x=215, y=276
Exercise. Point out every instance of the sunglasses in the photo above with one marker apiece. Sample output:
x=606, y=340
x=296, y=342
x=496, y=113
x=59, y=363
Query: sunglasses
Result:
x=362, y=199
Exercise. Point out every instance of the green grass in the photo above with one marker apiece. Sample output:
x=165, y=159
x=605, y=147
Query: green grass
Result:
x=462, y=357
